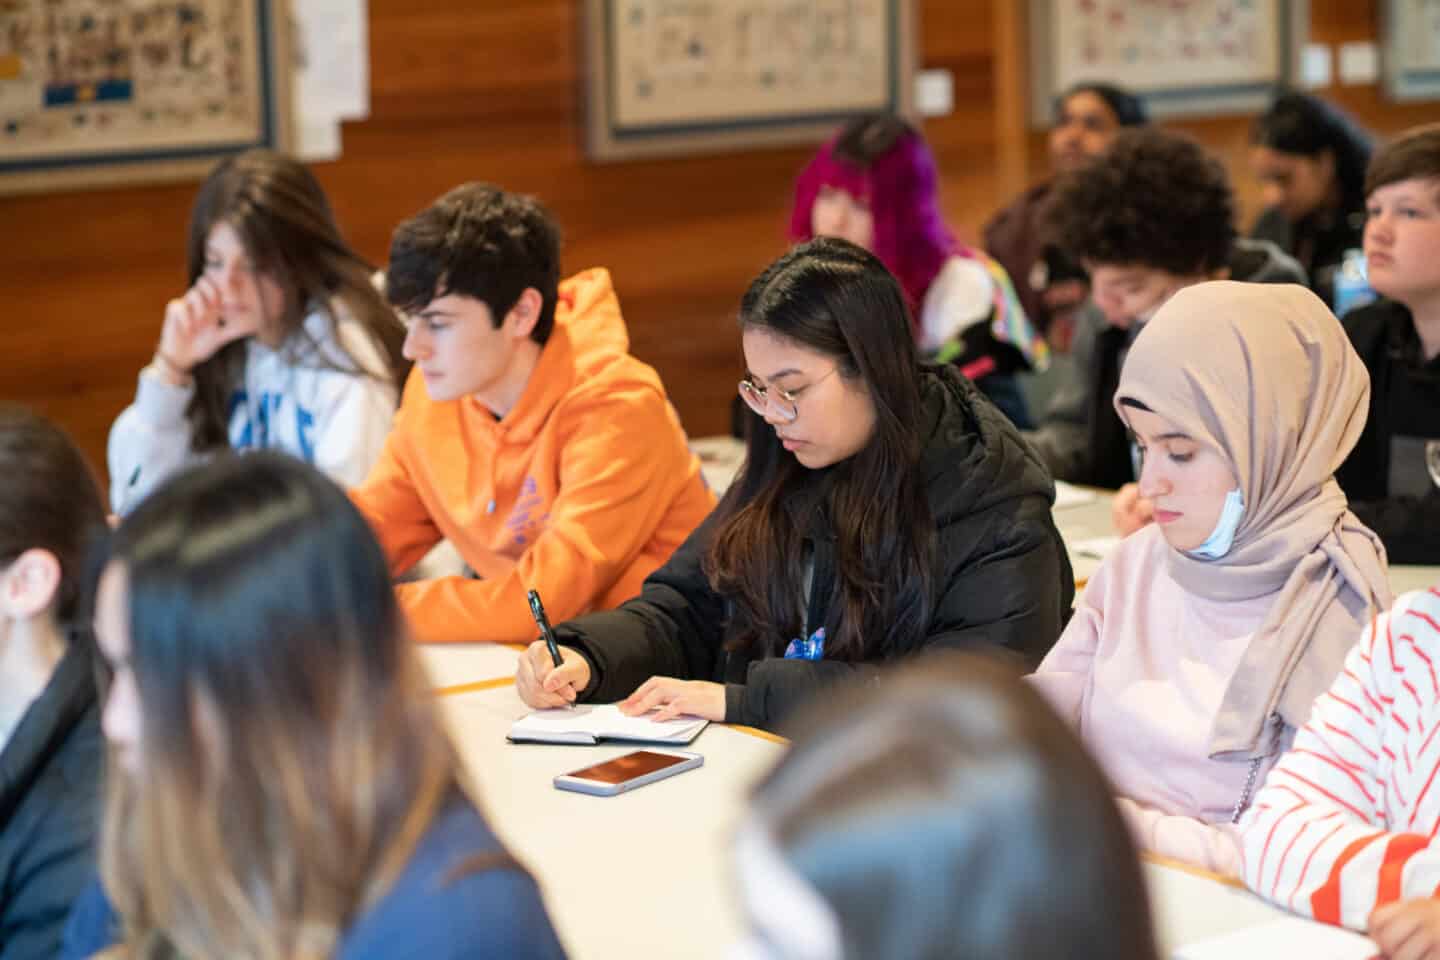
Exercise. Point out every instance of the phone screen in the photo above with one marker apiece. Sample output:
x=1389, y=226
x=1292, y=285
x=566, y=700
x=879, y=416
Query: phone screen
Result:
x=628, y=767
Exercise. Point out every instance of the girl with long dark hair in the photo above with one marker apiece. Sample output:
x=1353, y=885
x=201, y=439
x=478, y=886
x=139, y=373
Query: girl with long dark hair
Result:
x=883, y=508
x=281, y=341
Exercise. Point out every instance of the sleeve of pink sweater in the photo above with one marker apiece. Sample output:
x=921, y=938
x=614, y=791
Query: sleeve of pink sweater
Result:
x=1345, y=820
x=1063, y=677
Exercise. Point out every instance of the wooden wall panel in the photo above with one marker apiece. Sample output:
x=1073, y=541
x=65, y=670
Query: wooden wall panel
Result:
x=489, y=89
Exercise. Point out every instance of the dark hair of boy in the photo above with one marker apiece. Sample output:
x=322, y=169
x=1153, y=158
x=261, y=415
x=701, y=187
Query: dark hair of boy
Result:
x=480, y=242
x=1156, y=199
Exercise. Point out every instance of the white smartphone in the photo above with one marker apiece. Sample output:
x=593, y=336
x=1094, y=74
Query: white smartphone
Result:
x=628, y=771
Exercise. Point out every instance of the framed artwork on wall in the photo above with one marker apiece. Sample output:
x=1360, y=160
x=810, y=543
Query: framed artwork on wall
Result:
x=1411, y=49
x=99, y=92
x=1182, y=56
x=663, y=77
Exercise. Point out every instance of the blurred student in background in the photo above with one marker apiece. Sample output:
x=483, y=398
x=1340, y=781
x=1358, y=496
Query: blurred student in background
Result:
x=1310, y=159
x=875, y=184
x=280, y=342
x=1050, y=282
x=51, y=750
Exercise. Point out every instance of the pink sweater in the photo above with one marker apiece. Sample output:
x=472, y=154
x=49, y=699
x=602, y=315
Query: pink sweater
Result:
x=1140, y=671
x=1348, y=818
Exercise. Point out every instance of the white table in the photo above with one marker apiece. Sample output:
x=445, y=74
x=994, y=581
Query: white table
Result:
x=1191, y=907
x=649, y=873
x=642, y=874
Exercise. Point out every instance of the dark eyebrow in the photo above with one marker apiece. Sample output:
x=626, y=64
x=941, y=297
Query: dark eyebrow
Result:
x=1175, y=436
x=787, y=372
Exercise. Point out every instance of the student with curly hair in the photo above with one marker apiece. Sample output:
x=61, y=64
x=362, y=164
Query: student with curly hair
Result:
x=528, y=436
x=1152, y=215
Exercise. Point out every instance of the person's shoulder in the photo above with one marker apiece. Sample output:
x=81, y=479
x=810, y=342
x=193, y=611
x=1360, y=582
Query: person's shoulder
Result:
x=1369, y=327
x=1417, y=616
x=974, y=458
x=460, y=888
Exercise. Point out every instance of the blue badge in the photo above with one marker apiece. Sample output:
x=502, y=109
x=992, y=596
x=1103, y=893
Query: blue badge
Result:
x=812, y=649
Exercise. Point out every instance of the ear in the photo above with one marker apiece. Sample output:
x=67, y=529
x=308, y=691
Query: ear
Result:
x=525, y=314
x=1325, y=160
x=28, y=586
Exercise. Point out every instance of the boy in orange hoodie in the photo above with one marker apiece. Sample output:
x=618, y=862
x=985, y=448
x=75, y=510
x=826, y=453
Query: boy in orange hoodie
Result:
x=527, y=435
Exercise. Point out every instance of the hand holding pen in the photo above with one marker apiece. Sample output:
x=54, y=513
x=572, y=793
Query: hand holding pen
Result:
x=549, y=675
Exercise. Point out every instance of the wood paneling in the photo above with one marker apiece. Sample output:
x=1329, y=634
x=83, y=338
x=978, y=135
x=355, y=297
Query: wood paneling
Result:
x=489, y=89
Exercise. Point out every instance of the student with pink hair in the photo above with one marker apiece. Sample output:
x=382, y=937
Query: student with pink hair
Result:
x=875, y=184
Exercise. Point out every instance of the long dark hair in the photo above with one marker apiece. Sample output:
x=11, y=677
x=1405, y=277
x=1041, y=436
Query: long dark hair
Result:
x=1306, y=125
x=49, y=500
x=285, y=222
x=950, y=812
x=835, y=298
x=292, y=755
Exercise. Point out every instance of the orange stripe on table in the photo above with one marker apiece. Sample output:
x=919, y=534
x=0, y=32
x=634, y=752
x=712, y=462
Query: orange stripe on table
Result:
x=757, y=732
x=474, y=686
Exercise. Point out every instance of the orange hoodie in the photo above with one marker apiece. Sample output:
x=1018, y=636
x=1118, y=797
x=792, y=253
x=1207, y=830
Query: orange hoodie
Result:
x=579, y=492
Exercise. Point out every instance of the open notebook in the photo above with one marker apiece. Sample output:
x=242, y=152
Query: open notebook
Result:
x=589, y=723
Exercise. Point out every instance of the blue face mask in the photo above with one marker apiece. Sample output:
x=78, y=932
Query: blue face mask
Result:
x=1222, y=538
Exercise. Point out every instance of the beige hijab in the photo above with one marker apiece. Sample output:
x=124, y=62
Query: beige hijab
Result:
x=1265, y=374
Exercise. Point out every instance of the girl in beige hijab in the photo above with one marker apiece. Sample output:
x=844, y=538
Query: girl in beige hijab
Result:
x=1197, y=648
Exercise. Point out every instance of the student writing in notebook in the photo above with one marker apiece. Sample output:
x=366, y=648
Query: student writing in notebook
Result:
x=282, y=783
x=884, y=508
x=948, y=813
x=280, y=342
x=51, y=750
x=1198, y=647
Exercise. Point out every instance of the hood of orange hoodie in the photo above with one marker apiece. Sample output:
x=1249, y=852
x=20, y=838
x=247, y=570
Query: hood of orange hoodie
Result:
x=588, y=339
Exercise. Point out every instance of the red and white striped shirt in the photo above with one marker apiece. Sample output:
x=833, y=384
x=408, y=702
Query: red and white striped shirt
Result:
x=1346, y=820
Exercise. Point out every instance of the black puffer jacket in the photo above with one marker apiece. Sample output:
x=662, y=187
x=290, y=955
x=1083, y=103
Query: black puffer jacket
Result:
x=1001, y=579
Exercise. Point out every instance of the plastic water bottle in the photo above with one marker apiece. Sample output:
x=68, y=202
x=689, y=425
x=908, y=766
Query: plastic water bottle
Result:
x=1352, y=284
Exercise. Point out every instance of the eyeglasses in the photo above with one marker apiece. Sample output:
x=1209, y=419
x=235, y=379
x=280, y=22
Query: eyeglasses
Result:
x=783, y=403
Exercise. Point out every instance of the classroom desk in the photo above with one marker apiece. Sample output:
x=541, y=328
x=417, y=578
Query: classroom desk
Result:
x=649, y=873
x=642, y=874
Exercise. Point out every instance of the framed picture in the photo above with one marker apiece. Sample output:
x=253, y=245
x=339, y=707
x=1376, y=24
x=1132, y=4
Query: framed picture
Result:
x=663, y=77
x=97, y=92
x=1182, y=57
x=1411, y=50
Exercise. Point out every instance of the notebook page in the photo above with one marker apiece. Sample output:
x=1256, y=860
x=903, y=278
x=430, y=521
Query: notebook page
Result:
x=597, y=721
